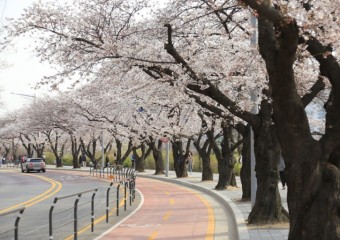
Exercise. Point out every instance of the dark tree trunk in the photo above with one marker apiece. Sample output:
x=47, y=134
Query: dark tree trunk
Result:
x=212, y=91
x=157, y=155
x=75, y=150
x=140, y=159
x=268, y=207
x=224, y=157
x=207, y=173
x=39, y=148
x=204, y=152
x=27, y=146
x=90, y=150
x=312, y=167
x=179, y=161
x=54, y=141
x=245, y=169
x=59, y=160
x=7, y=150
x=120, y=157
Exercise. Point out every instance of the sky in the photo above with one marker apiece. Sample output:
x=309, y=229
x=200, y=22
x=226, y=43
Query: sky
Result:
x=23, y=70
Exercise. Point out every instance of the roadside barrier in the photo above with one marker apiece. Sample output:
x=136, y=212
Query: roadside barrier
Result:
x=76, y=207
x=75, y=210
x=5, y=234
x=9, y=164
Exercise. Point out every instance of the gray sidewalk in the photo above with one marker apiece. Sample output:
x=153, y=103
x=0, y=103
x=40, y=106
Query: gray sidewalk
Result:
x=232, y=197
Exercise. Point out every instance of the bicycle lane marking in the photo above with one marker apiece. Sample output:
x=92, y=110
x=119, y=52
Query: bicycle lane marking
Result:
x=211, y=218
x=169, y=210
x=56, y=187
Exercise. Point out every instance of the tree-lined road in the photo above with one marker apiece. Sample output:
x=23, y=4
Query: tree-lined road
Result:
x=168, y=210
x=36, y=191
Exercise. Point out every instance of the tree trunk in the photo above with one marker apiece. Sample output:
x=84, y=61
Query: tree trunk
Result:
x=90, y=151
x=120, y=157
x=245, y=169
x=157, y=155
x=140, y=160
x=224, y=156
x=213, y=92
x=268, y=207
x=179, y=161
x=54, y=145
x=207, y=173
x=75, y=150
x=312, y=178
x=204, y=152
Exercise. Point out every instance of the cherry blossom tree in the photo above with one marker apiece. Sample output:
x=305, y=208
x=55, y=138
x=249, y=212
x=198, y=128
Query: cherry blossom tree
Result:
x=209, y=54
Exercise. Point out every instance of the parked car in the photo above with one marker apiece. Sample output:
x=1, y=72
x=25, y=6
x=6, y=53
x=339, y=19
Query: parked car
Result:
x=33, y=164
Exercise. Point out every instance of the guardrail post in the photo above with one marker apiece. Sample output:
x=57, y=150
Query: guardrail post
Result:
x=117, y=203
x=76, y=217
x=92, y=210
x=107, y=202
x=16, y=224
x=50, y=219
x=125, y=193
x=130, y=190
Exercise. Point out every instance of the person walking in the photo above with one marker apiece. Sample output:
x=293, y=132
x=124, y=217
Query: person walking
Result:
x=281, y=168
x=83, y=160
x=133, y=161
x=107, y=161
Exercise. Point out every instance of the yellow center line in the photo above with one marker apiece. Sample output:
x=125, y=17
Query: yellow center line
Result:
x=166, y=215
x=211, y=218
x=56, y=186
x=153, y=235
x=172, y=201
x=96, y=221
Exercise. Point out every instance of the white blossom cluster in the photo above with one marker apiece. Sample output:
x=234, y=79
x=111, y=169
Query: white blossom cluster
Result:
x=112, y=55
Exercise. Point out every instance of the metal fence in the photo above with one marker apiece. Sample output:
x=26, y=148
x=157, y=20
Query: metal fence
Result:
x=78, y=209
x=10, y=229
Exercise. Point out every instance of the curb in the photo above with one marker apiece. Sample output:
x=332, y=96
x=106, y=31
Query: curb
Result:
x=233, y=210
x=230, y=206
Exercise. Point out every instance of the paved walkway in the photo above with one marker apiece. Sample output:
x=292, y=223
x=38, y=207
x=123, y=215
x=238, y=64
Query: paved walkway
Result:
x=232, y=197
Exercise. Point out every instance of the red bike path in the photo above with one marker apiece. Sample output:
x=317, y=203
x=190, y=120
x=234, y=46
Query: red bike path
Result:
x=168, y=211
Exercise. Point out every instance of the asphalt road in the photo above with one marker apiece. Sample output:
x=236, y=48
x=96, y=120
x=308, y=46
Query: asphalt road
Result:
x=37, y=191
x=165, y=210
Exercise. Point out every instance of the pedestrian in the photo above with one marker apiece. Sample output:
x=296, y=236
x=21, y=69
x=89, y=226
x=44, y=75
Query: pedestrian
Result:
x=23, y=159
x=133, y=161
x=281, y=168
x=83, y=157
x=107, y=161
x=190, y=162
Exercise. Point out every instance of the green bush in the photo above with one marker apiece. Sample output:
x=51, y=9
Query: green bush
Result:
x=237, y=168
x=127, y=163
x=67, y=160
x=150, y=163
x=50, y=158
